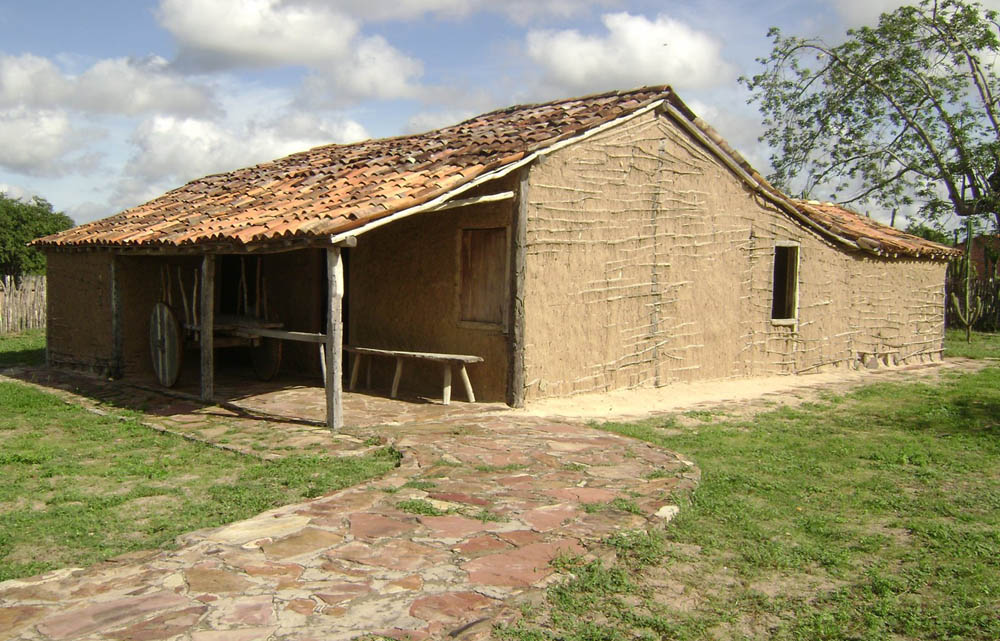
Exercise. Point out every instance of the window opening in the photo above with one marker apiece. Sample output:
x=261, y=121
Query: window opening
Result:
x=786, y=277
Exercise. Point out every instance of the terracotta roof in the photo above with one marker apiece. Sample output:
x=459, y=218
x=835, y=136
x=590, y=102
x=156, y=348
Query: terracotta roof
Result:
x=871, y=235
x=335, y=188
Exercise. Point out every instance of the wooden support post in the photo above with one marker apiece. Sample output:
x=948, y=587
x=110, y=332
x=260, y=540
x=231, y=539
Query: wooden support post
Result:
x=207, y=327
x=398, y=375
x=355, y=370
x=322, y=361
x=334, y=339
x=446, y=394
x=117, y=354
x=515, y=329
x=464, y=375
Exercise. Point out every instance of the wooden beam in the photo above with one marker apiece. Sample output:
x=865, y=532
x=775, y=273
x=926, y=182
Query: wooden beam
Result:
x=334, y=339
x=348, y=242
x=117, y=353
x=466, y=383
x=515, y=335
x=302, y=337
x=446, y=394
x=476, y=200
x=207, y=326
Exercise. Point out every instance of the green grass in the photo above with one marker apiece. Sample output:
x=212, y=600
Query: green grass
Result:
x=77, y=488
x=420, y=506
x=983, y=345
x=26, y=348
x=873, y=515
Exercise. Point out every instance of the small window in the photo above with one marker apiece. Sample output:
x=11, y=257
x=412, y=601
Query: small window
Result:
x=784, y=302
x=482, y=276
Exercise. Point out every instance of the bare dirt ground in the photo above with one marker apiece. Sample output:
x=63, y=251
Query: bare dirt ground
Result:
x=735, y=397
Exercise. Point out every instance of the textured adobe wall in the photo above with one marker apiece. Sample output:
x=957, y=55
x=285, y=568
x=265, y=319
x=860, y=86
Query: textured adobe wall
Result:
x=79, y=310
x=403, y=295
x=648, y=263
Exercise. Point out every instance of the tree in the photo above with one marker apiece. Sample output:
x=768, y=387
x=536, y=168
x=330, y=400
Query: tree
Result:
x=903, y=113
x=20, y=223
x=929, y=233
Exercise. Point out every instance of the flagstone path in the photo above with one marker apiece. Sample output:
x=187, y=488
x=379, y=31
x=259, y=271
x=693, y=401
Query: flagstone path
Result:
x=445, y=546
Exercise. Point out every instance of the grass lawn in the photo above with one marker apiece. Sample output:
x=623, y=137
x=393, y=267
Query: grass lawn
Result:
x=982, y=346
x=872, y=515
x=77, y=488
x=26, y=348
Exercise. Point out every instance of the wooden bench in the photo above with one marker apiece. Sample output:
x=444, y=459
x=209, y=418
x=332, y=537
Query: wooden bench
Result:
x=872, y=359
x=445, y=359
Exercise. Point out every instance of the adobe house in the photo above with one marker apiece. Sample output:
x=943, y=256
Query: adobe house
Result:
x=582, y=245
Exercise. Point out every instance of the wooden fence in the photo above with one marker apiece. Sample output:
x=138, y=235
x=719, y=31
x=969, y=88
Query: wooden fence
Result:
x=22, y=306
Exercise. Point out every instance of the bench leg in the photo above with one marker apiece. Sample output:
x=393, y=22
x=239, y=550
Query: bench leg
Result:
x=322, y=361
x=396, y=377
x=354, y=372
x=446, y=396
x=464, y=375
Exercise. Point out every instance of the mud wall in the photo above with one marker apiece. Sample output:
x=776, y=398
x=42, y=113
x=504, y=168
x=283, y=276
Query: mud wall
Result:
x=649, y=263
x=403, y=292
x=78, y=311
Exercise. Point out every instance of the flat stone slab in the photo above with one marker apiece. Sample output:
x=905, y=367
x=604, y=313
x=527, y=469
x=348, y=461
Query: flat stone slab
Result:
x=522, y=567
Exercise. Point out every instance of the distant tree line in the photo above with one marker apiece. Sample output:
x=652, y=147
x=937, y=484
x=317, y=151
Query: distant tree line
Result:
x=22, y=221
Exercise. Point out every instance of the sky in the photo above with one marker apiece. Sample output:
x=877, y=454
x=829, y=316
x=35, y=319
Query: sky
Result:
x=106, y=104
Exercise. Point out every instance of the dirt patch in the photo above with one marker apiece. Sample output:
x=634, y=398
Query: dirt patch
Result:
x=700, y=402
x=802, y=586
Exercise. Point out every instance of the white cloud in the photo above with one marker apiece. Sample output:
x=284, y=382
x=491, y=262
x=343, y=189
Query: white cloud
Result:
x=15, y=192
x=130, y=86
x=344, y=63
x=256, y=33
x=112, y=86
x=180, y=149
x=633, y=51
x=520, y=11
x=866, y=12
x=39, y=142
x=428, y=120
x=373, y=70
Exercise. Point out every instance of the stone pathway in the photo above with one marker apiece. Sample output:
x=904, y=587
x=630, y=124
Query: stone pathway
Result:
x=442, y=547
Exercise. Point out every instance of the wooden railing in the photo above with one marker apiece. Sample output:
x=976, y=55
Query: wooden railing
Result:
x=22, y=305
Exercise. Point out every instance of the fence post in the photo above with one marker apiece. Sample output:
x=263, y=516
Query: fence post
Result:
x=22, y=305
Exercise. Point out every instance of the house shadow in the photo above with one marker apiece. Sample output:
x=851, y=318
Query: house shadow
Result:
x=33, y=357
x=289, y=398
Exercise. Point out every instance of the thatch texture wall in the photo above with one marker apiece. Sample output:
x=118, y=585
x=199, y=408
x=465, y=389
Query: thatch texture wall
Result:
x=403, y=293
x=78, y=312
x=648, y=263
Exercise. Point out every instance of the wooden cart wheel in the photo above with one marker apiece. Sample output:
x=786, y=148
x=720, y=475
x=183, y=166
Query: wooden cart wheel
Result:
x=266, y=358
x=165, y=346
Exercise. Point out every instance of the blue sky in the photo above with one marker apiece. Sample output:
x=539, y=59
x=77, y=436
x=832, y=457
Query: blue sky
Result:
x=106, y=104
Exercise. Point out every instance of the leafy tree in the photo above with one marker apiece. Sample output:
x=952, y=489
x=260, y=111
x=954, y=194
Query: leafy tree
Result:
x=929, y=233
x=903, y=113
x=20, y=223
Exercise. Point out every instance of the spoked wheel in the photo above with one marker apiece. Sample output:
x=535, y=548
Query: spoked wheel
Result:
x=165, y=344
